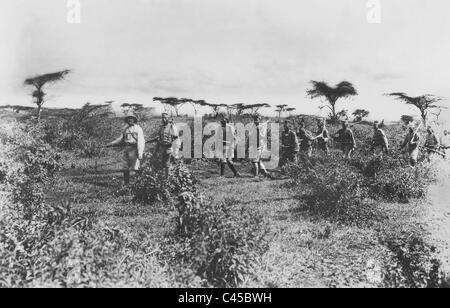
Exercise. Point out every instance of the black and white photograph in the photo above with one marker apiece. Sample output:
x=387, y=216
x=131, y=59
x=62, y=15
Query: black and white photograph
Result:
x=224, y=149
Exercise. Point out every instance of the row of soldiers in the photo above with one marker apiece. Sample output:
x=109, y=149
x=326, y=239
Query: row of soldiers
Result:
x=293, y=144
x=301, y=142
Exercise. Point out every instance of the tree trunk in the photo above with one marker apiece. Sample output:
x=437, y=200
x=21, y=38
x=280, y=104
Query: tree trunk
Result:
x=39, y=112
x=424, y=117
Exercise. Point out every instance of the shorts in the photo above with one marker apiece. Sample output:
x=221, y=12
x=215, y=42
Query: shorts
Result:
x=228, y=154
x=165, y=154
x=258, y=157
x=131, y=158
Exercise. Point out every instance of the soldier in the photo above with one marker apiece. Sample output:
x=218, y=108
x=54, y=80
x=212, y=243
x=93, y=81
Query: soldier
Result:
x=380, y=143
x=412, y=140
x=432, y=144
x=258, y=166
x=289, y=144
x=228, y=147
x=346, y=139
x=167, y=134
x=324, y=136
x=133, y=140
x=306, y=140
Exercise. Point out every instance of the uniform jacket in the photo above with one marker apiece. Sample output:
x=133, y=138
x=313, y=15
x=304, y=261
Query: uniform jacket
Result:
x=432, y=141
x=346, y=137
x=380, y=139
x=411, y=145
x=132, y=135
x=290, y=141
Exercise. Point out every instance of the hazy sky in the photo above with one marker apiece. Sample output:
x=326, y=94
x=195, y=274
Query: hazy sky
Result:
x=226, y=51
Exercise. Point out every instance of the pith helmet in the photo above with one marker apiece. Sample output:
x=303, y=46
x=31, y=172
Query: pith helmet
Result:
x=134, y=117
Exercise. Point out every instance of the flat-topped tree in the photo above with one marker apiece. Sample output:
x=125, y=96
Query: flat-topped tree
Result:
x=425, y=103
x=216, y=108
x=360, y=114
x=281, y=109
x=290, y=110
x=332, y=95
x=170, y=104
x=132, y=108
x=238, y=109
x=39, y=82
x=254, y=109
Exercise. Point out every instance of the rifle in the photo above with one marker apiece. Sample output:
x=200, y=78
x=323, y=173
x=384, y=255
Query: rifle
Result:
x=435, y=151
x=415, y=132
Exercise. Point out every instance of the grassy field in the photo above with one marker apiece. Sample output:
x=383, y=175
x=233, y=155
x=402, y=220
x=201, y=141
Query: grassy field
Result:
x=305, y=250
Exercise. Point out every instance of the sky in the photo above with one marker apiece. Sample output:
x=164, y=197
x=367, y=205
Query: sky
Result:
x=227, y=51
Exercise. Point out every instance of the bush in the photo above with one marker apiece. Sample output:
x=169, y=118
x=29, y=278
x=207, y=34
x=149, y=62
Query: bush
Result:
x=221, y=245
x=412, y=263
x=152, y=185
x=49, y=244
x=390, y=178
x=333, y=190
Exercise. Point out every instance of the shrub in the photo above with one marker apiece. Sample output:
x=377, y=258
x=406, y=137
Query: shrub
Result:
x=221, y=245
x=152, y=184
x=412, y=263
x=390, y=178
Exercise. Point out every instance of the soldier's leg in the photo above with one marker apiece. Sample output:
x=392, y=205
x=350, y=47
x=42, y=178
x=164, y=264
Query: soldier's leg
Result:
x=128, y=162
x=222, y=168
x=232, y=167
x=222, y=163
x=414, y=155
x=255, y=168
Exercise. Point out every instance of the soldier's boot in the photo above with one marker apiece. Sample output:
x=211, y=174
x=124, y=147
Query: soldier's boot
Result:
x=126, y=178
x=233, y=169
x=222, y=169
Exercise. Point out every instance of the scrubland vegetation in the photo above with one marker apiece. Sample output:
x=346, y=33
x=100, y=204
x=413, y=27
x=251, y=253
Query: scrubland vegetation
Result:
x=66, y=220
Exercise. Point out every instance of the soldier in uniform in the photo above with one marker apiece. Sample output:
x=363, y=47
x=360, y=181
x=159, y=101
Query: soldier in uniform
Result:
x=167, y=134
x=324, y=136
x=289, y=144
x=306, y=140
x=133, y=141
x=258, y=166
x=380, y=143
x=412, y=140
x=228, y=148
x=432, y=143
x=346, y=139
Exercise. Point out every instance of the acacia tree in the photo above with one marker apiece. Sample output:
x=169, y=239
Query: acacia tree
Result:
x=170, y=104
x=281, y=109
x=194, y=103
x=342, y=90
x=132, y=108
x=360, y=114
x=254, y=109
x=216, y=108
x=38, y=83
x=238, y=109
x=407, y=119
x=425, y=103
x=290, y=111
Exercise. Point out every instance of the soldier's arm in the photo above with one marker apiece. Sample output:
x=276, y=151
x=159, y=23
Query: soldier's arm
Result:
x=116, y=142
x=296, y=142
x=353, y=139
